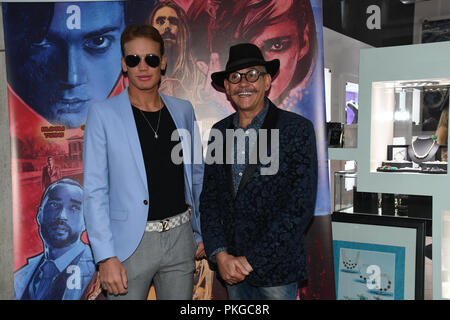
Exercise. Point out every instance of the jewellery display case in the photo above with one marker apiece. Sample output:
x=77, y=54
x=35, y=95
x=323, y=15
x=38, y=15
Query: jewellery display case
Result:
x=395, y=114
x=347, y=199
x=406, y=120
x=335, y=134
x=344, y=185
x=340, y=135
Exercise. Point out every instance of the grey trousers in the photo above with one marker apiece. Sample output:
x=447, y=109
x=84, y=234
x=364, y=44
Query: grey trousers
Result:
x=166, y=258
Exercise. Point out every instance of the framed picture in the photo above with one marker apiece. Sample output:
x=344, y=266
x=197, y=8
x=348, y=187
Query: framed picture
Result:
x=398, y=153
x=378, y=257
x=335, y=132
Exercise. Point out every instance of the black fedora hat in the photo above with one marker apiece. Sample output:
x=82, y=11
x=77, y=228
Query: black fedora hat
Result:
x=242, y=56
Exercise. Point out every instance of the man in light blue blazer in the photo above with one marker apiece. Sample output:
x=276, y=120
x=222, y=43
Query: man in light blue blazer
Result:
x=138, y=197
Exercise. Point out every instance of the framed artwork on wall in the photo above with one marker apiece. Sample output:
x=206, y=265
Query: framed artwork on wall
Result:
x=378, y=257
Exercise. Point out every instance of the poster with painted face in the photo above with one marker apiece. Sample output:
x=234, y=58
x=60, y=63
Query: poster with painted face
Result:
x=288, y=30
x=61, y=57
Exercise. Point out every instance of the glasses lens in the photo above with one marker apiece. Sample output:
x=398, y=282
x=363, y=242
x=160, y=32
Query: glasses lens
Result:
x=234, y=77
x=252, y=75
x=152, y=61
x=132, y=60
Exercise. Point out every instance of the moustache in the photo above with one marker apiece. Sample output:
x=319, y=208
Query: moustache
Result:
x=244, y=90
x=58, y=224
x=168, y=35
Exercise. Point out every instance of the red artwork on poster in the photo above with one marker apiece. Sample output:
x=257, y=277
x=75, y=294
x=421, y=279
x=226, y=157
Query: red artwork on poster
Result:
x=62, y=57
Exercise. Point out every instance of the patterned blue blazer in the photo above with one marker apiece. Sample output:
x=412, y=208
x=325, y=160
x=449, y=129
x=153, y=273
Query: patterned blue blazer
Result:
x=266, y=218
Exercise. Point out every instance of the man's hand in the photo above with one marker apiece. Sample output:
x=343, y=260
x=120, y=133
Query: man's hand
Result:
x=113, y=276
x=245, y=264
x=232, y=269
x=200, y=253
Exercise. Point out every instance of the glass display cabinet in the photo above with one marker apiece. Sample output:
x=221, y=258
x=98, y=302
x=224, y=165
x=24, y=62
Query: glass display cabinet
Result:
x=403, y=94
x=411, y=120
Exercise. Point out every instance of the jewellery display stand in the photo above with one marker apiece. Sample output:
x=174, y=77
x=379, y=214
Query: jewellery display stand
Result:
x=423, y=149
x=381, y=71
x=424, y=155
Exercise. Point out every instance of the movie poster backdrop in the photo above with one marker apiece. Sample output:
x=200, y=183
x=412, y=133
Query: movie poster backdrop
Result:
x=63, y=56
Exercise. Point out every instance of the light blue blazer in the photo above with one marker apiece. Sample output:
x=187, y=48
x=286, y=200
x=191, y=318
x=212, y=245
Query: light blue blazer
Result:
x=116, y=194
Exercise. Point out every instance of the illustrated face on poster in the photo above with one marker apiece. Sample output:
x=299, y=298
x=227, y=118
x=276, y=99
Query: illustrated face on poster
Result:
x=280, y=40
x=182, y=77
x=67, y=58
x=65, y=266
x=166, y=21
x=283, y=30
x=60, y=216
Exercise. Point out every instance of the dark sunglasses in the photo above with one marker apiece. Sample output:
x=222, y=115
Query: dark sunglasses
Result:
x=133, y=60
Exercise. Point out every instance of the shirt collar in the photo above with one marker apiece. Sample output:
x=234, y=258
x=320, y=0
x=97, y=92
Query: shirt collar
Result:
x=257, y=120
x=63, y=261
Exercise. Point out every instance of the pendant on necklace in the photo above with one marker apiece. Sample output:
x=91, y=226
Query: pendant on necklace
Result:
x=156, y=135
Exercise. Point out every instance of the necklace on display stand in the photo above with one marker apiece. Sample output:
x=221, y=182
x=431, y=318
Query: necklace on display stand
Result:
x=426, y=153
x=423, y=149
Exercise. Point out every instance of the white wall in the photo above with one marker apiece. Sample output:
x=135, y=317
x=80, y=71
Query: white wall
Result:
x=341, y=55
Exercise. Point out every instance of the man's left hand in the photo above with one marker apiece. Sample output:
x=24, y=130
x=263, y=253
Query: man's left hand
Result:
x=200, y=253
x=245, y=263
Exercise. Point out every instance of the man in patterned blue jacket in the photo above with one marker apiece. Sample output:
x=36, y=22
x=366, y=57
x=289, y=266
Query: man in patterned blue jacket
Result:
x=255, y=212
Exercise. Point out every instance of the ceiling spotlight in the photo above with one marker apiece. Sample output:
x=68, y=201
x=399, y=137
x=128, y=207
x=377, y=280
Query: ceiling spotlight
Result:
x=412, y=1
x=418, y=83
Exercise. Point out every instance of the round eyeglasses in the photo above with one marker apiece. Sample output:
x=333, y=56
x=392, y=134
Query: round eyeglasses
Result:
x=133, y=60
x=250, y=76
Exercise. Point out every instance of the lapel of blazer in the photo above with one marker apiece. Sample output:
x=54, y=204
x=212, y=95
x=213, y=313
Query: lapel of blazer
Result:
x=23, y=277
x=269, y=123
x=132, y=134
x=182, y=122
x=176, y=116
x=228, y=164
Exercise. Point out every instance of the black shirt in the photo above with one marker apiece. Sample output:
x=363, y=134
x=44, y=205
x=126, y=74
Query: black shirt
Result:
x=164, y=178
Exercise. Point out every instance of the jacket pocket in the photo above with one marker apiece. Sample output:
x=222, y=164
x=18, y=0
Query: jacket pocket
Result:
x=120, y=215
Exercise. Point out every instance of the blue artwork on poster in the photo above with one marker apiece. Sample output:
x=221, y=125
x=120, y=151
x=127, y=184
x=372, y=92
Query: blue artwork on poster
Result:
x=366, y=271
x=65, y=267
x=62, y=57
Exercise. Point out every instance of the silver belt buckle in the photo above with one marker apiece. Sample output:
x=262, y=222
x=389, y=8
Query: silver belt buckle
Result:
x=165, y=225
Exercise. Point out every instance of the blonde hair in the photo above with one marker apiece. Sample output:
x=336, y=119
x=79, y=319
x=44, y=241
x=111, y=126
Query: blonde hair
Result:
x=134, y=31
